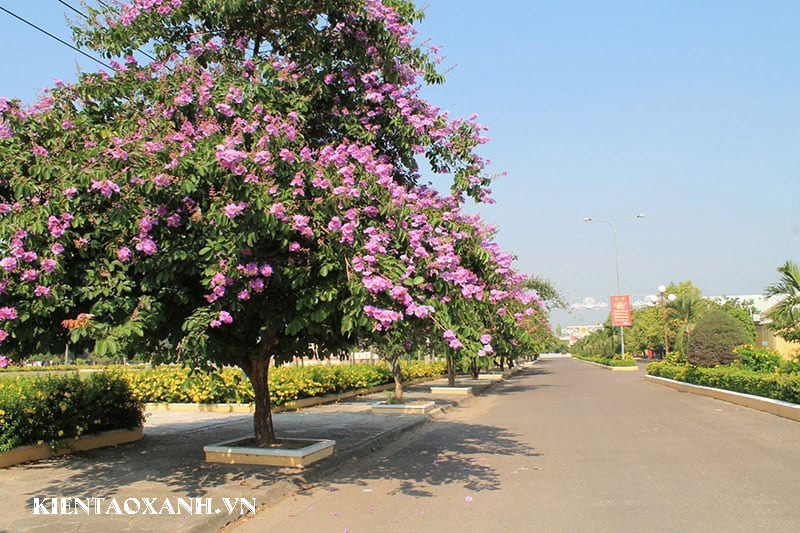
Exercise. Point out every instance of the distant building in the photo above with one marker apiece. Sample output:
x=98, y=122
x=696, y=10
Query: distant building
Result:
x=572, y=334
x=764, y=336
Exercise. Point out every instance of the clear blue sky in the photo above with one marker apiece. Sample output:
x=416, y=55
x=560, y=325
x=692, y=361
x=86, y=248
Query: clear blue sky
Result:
x=688, y=111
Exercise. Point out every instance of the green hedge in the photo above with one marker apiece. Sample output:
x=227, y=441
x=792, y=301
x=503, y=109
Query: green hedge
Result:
x=52, y=409
x=608, y=361
x=778, y=386
x=176, y=384
x=59, y=368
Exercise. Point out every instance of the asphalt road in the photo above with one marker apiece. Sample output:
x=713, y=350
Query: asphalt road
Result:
x=567, y=447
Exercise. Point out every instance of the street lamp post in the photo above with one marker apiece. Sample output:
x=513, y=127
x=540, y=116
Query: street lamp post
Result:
x=664, y=298
x=616, y=261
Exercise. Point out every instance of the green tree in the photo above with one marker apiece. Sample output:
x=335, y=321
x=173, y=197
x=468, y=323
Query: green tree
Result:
x=688, y=307
x=786, y=314
x=714, y=339
x=647, y=331
x=250, y=192
x=596, y=343
x=741, y=311
x=546, y=290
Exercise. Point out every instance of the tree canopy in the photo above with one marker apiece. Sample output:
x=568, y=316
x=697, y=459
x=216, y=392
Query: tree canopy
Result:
x=786, y=314
x=252, y=190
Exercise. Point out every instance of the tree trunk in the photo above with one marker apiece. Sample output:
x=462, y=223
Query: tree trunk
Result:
x=510, y=362
x=257, y=371
x=688, y=342
x=474, y=369
x=451, y=372
x=398, y=381
x=502, y=363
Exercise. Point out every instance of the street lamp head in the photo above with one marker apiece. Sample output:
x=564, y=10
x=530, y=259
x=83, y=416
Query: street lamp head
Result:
x=662, y=289
x=672, y=297
x=587, y=219
x=640, y=215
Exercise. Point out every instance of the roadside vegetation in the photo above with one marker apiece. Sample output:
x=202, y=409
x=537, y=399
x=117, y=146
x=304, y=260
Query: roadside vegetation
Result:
x=608, y=361
x=758, y=371
x=53, y=409
x=179, y=384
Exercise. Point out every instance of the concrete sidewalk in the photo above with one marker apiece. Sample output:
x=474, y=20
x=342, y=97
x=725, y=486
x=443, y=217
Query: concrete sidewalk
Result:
x=169, y=463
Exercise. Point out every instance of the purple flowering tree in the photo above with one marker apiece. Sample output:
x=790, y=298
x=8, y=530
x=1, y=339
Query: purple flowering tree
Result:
x=251, y=191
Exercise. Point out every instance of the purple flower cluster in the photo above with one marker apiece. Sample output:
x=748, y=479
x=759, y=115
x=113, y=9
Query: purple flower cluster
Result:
x=124, y=254
x=224, y=317
x=450, y=336
x=384, y=318
x=233, y=210
x=106, y=187
x=147, y=246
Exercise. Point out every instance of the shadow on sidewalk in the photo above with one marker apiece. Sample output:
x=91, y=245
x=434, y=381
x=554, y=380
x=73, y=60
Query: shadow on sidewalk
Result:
x=157, y=464
x=172, y=463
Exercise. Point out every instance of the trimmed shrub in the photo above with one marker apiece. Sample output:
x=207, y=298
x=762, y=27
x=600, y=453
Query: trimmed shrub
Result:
x=778, y=386
x=177, y=384
x=417, y=370
x=59, y=368
x=714, y=338
x=52, y=409
x=608, y=361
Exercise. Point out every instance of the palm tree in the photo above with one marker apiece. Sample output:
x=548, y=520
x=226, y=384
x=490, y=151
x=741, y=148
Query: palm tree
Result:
x=786, y=314
x=688, y=308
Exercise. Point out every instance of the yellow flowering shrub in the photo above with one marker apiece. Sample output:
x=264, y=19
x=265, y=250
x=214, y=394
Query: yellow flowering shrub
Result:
x=53, y=408
x=177, y=384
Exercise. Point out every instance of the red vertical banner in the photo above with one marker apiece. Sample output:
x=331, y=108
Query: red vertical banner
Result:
x=621, y=311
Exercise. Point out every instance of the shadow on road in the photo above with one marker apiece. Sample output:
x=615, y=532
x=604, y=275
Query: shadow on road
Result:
x=451, y=453
x=513, y=388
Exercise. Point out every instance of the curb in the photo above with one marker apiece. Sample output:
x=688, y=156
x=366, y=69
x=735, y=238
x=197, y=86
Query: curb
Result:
x=375, y=442
x=760, y=403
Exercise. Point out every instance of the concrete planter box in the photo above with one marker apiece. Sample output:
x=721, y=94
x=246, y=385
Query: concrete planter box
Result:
x=418, y=408
x=452, y=391
x=491, y=377
x=228, y=452
x=478, y=385
x=23, y=454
